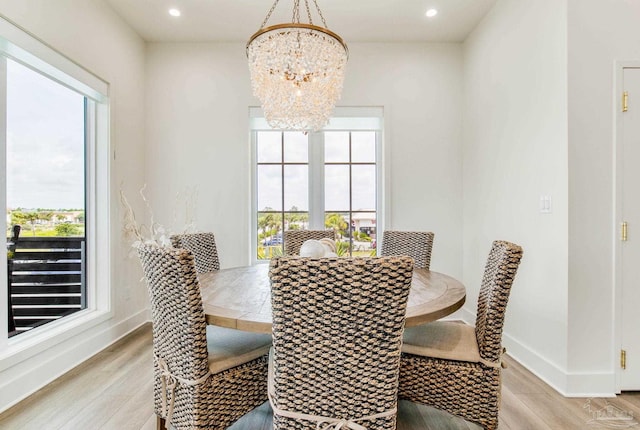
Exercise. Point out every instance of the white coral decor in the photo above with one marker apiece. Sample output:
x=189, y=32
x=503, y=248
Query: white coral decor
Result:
x=318, y=248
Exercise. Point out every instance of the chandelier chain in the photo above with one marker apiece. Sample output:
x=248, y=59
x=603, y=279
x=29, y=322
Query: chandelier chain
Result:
x=296, y=11
x=306, y=3
x=320, y=13
x=273, y=7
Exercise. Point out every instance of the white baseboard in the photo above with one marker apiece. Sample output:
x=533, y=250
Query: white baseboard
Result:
x=566, y=383
x=27, y=377
x=591, y=385
x=466, y=316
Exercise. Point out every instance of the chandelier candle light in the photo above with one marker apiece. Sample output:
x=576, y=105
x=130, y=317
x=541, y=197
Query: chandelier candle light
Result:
x=297, y=70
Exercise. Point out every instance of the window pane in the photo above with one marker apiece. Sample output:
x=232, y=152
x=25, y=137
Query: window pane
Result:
x=337, y=222
x=45, y=142
x=45, y=181
x=296, y=221
x=269, y=188
x=363, y=147
x=364, y=187
x=336, y=147
x=296, y=149
x=336, y=188
x=364, y=242
x=365, y=223
x=296, y=187
x=269, y=147
x=269, y=235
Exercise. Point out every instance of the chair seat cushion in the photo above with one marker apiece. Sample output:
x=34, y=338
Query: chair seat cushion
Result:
x=448, y=340
x=229, y=348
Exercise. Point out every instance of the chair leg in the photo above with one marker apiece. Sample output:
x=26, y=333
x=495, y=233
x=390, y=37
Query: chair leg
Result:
x=161, y=423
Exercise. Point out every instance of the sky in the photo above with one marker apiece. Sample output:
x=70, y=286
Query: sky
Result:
x=45, y=142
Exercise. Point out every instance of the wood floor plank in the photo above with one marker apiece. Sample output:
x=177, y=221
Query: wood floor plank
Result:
x=630, y=402
x=95, y=414
x=60, y=401
x=521, y=381
x=502, y=425
x=119, y=393
x=517, y=415
x=133, y=415
x=553, y=411
x=150, y=424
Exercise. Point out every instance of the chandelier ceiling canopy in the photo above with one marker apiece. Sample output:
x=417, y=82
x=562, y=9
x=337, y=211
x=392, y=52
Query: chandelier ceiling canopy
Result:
x=297, y=70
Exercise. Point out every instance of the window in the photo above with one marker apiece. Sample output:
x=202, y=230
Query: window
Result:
x=54, y=154
x=325, y=180
x=45, y=205
x=282, y=173
x=350, y=173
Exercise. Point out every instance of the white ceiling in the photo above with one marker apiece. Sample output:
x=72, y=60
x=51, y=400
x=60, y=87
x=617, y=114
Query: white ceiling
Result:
x=354, y=20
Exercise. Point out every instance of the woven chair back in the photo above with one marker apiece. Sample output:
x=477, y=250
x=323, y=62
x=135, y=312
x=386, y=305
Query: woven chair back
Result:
x=203, y=247
x=500, y=270
x=416, y=244
x=337, y=331
x=293, y=239
x=179, y=326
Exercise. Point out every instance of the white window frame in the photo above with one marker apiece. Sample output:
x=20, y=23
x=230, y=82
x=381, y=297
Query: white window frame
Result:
x=343, y=119
x=22, y=47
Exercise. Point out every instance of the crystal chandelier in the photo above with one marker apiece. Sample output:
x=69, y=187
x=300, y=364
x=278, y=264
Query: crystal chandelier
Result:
x=297, y=70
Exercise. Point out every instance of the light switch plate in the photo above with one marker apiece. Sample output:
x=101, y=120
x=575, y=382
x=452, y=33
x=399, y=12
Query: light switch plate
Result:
x=545, y=204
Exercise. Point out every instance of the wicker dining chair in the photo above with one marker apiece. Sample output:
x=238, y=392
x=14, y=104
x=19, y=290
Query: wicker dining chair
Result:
x=416, y=244
x=204, y=377
x=293, y=239
x=337, y=329
x=203, y=247
x=456, y=367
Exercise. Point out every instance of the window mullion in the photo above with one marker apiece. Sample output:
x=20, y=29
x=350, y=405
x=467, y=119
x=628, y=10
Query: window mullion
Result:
x=282, y=184
x=316, y=181
x=380, y=190
x=350, y=220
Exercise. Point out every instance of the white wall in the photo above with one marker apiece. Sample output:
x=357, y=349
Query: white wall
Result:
x=598, y=35
x=90, y=34
x=514, y=151
x=198, y=136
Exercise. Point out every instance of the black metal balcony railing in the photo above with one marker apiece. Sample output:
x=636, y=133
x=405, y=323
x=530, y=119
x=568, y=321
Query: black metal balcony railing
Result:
x=46, y=280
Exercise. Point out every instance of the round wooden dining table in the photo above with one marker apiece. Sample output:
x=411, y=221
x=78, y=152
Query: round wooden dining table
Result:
x=240, y=297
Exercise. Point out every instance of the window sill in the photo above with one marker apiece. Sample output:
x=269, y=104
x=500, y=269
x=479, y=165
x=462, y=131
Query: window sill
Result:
x=26, y=345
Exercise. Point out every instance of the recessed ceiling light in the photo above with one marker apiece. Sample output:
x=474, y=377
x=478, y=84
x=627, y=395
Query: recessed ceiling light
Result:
x=174, y=12
x=431, y=13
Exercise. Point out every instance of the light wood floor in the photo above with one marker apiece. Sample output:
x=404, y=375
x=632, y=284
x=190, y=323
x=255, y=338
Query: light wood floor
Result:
x=113, y=391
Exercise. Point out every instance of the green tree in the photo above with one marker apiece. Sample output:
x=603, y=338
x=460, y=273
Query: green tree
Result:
x=269, y=223
x=274, y=222
x=337, y=223
x=262, y=226
x=67, y=230
x=18, y=217
x=296, y=220
x=342, y=249
x=45, y=215
x=23, y=218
